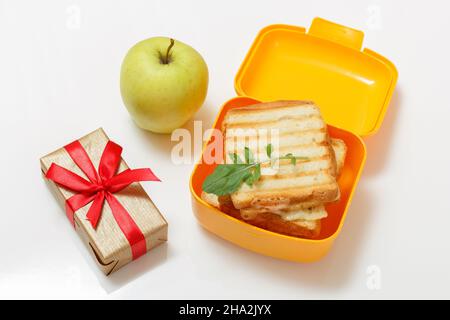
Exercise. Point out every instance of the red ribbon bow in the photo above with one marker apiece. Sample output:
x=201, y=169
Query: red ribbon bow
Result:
x=101, y=185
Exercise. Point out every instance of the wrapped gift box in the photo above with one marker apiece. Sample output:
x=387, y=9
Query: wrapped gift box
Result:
x=108, y=239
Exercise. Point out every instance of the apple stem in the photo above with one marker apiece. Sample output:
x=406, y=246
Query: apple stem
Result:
x=167, y=57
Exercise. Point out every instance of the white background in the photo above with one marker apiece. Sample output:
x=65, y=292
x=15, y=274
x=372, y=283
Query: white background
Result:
x=59, y=80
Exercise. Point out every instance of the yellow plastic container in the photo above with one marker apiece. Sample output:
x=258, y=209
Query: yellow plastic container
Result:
x=353, y=89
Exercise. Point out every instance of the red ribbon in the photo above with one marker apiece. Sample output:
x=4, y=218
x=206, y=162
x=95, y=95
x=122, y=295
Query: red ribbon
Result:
x=101, y=186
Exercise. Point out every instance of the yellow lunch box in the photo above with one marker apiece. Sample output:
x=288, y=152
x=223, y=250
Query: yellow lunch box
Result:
x=351, y=86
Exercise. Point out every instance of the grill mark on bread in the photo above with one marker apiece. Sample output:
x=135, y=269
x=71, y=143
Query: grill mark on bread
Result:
x=281, y=148
x=281, y=104
x=282, y=209
x=287, y=162
x=291, y=189
x=238, y=115
x=318, y=179
x=321, y=194
x=319, y=153
x=322, y=143
x=229, y=136
x=298, y=174
x=276, y=123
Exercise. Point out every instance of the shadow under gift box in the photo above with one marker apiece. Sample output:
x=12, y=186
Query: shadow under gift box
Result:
x=352, y=88
x=107, y=243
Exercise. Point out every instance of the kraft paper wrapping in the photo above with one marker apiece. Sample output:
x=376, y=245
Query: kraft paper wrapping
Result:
x=107, y=243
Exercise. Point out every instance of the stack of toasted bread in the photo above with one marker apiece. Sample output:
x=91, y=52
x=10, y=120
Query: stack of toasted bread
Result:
x=291, y=198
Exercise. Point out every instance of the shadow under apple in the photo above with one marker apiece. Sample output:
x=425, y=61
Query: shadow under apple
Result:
x=163, y=142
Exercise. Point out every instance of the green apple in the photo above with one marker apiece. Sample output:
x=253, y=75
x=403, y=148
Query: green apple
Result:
x=163, y=82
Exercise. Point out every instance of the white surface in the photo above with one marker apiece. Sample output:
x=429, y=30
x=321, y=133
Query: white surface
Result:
x=59, y=80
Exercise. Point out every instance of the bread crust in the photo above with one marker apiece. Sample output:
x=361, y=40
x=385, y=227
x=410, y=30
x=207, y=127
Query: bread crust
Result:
x=273, y=222
x=340, y=153
x=264, y=220
x=323, y=194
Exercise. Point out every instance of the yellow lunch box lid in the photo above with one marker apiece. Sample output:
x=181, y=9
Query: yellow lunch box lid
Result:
x=352, y=87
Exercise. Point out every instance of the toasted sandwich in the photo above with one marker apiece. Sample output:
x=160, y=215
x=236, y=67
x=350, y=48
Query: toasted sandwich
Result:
x=302, y=132
x=302, y=219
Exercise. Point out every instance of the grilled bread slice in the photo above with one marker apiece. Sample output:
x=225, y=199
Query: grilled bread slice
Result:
x=340, y=150
x=302, y=208
x=297, y=228
x=273, y=222
x=300, y=131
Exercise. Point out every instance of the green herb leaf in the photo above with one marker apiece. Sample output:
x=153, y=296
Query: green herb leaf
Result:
x=292, y=158
x=235, y=158
x=248, y=155
x=226, y=178
x=269, y=150
x=256, y=174
x=249, y=181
